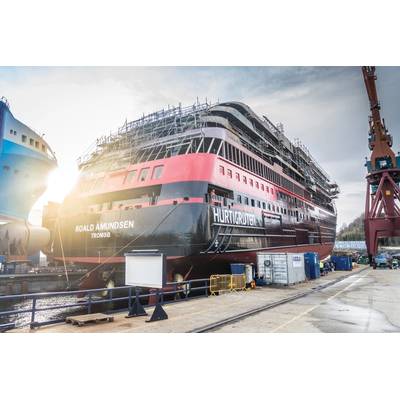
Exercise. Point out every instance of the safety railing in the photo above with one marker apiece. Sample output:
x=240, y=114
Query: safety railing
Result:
x=86, y=300
x=227, y=283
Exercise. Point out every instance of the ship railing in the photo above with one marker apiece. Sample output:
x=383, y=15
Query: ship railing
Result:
x=40, y=308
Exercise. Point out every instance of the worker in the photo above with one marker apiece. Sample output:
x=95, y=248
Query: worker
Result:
x=214, y=198
x=321, y=267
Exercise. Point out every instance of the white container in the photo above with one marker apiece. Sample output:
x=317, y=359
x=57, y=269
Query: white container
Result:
x=281, y=268
x=249, y=273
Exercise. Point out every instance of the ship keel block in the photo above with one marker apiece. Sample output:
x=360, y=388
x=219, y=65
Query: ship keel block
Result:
x=159, y=313
x=137, y=309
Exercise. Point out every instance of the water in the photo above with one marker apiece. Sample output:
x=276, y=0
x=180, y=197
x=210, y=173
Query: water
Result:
x=76, y=305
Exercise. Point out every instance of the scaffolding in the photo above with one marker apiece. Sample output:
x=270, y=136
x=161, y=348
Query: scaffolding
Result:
x=167, y=131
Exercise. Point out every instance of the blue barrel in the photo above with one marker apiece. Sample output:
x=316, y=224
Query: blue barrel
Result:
x=237, y=269
x=311, y=265
x=342, y=263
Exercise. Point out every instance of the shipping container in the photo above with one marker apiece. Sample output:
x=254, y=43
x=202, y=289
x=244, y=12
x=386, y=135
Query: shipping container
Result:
x=281, y=268
x=311, y=265
x=342, y=263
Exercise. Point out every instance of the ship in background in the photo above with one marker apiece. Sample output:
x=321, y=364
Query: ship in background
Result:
x=25, y=163
x=207, y=185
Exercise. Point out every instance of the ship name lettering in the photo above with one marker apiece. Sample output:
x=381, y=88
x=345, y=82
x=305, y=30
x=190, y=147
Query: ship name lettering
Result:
x=105, y=226
x=231, y=217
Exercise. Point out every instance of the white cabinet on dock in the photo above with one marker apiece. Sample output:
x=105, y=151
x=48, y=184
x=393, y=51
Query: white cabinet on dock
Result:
x=281, y=268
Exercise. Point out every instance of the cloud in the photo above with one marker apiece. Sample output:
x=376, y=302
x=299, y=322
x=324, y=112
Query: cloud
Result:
x=326, y=107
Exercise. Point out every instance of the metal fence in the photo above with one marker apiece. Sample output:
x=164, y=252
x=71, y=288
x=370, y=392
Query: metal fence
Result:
x=174, y=291
x=227, y=283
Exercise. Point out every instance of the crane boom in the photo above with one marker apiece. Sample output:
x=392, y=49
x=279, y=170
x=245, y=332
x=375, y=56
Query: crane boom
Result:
x=382, y=205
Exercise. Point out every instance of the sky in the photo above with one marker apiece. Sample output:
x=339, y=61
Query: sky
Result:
x=325, y=107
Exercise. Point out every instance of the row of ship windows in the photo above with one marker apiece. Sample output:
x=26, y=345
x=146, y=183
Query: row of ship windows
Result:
x=238, y=157
x=261, y=186
x=32, y=142
x=144, y=173
x=130, y=177
x=271, y=207
x=244, y=179
x=223, y=149
x=130, y=203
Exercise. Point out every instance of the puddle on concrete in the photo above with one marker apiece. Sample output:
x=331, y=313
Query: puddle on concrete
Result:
x=336, y=316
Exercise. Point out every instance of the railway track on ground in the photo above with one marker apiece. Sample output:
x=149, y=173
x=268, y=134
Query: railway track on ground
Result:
x=227, y=321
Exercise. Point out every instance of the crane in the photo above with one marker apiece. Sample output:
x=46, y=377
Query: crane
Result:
x=382, y=203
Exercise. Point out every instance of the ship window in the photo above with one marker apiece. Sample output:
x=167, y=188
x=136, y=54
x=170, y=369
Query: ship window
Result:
x=258, y=204
x=221, y=170
x=233, y=154
x=206, y=145
x=24, y=138
x=244, y=179
x=37, y=144
x=239, y=198
x=262, y=187
x=236, y=155
x=269, y=207
x=43, y=148
x=246, y=200
x=237, y=176
x=272, y=191
x=131, y=176
x=157, y=172
x=257, y=185
x=253, y=203
x=229, y=173
x=267, y=188
x=107, y=206
x=143, y=174
x=160, y=153
x=215, y=146
x=251, y=182
x=183, y=149
x=263, y=205
x=31, y=142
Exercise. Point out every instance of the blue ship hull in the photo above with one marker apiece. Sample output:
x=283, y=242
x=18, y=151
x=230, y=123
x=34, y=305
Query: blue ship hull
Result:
x=23, y=179
x=23, y=170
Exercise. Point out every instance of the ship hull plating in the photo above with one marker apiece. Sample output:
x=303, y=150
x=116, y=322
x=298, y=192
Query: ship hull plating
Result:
x=199, y=238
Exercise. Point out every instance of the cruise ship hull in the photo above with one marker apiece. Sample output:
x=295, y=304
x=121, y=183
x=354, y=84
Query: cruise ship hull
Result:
x=206, y=186
x=25, y=163
x=193, y=236
x=22, y=179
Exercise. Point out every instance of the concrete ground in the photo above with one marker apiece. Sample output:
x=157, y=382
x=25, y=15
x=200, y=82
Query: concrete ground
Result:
x=365, y=302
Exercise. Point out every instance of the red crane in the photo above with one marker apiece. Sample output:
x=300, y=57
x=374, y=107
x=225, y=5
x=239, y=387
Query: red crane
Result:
x=382, y=204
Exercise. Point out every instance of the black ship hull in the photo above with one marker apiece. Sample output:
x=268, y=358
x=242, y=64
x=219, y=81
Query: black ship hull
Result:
x=196, y=237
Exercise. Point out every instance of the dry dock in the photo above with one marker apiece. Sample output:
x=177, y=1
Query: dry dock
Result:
x=363, y=301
